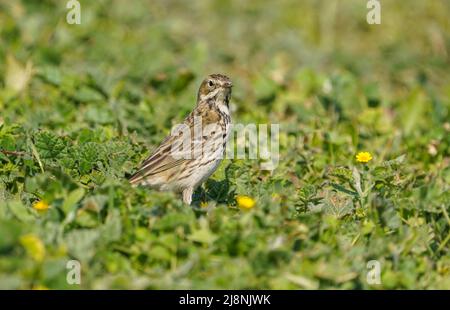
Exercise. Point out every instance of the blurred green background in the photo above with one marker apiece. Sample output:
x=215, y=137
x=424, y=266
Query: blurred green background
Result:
x=81, y=105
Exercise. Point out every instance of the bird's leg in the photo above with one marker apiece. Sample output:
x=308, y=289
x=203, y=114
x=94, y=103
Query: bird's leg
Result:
x=187, y=195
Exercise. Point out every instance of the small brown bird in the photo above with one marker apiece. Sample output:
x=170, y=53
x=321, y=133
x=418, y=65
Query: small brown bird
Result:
x=194, y=149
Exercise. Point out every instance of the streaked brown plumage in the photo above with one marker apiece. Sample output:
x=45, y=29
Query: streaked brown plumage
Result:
x=182, y=162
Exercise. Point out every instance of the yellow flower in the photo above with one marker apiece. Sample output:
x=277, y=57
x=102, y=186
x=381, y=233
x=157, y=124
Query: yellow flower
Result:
x=203, y=204
x=41, y=205
x=245, y=202
x=34, y=246
x=363, y=157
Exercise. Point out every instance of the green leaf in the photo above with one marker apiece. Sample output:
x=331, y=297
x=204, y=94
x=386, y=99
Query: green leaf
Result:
x=81, y=243
x=344, y=190
x=51, y=75
x=72, y=199
x=203, y=236
x=20, y=211
x=10, y=232
x=160, y=253
x=112, y=229
x=87, y=94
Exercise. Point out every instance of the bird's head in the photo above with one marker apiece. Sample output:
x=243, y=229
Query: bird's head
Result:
x=216, y=89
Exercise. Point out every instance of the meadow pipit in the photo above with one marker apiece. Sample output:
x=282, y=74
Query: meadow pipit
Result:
x=192, y=152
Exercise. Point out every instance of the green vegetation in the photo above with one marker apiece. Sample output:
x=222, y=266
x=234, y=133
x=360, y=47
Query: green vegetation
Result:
x=82, y=105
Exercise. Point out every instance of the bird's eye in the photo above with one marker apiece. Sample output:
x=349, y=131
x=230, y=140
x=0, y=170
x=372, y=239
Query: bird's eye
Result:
x=210, y=83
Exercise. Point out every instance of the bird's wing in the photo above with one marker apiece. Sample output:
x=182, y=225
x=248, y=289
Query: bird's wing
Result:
x=163, y=163
x=167, y=161
x=170, y=158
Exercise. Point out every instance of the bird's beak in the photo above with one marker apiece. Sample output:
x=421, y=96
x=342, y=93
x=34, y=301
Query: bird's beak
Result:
x=228, y=84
